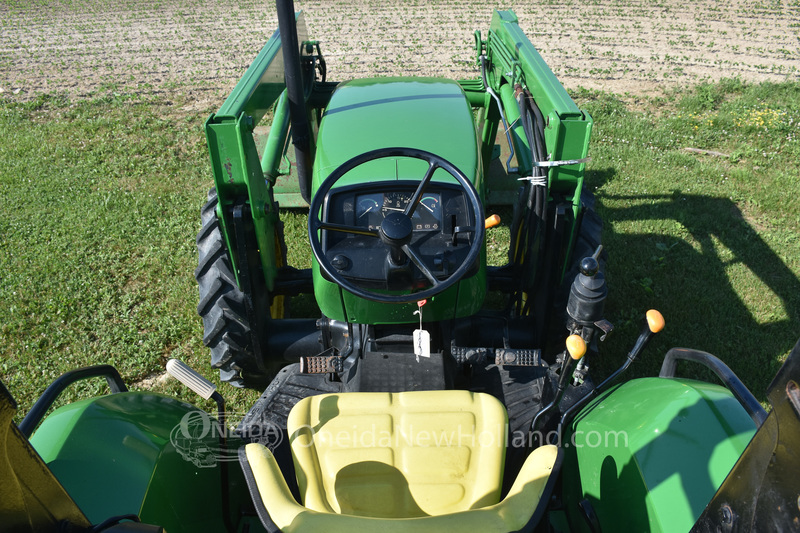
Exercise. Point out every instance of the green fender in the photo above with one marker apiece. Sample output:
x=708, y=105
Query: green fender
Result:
x=650, y=454
x=141, y=453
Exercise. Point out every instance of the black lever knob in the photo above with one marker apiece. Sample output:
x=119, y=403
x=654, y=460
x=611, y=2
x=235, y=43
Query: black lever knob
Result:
x=589, y=266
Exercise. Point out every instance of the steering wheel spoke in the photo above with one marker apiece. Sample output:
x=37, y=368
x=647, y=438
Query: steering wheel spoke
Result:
x=414, y=201
x=420, y=264
x=344, y=228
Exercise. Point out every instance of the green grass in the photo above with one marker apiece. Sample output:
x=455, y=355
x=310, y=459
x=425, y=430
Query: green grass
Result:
x=101, y=203
x=710, y=240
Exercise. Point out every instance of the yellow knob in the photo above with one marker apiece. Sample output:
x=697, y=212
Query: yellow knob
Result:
x=576, y=346
x=655, y=321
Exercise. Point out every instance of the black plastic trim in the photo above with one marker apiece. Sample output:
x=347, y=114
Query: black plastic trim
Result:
x=295, y=91
x=723, y=372
x=255, y=495
x=51, y=394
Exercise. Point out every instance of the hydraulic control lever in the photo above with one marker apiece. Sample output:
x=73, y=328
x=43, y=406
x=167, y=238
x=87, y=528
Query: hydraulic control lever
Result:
x=575, y=350
x=654, y=323
x=587, y=295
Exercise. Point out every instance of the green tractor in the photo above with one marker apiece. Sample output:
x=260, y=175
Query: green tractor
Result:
x=397, y=175
x=432, y=391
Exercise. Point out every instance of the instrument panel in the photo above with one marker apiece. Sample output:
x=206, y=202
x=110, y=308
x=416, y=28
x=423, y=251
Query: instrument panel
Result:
x=371, y=208
x=440, y=232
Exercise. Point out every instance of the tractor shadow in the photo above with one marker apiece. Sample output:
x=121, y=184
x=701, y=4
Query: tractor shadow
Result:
x=683, y=265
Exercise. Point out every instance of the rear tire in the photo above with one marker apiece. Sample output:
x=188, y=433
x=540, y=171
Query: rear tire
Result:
x=589, y=237
x=226, y=329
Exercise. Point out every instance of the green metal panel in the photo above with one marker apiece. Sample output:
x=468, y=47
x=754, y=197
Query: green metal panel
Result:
x=424, y=113
x=114, y=456
x=650, y=454
x=237, y=172
x=520, y=55
x=428, y=114
x=566, y=139
x=235, y=162
x=515, y=61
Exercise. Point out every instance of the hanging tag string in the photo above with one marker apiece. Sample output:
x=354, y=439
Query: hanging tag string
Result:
x=419, y=312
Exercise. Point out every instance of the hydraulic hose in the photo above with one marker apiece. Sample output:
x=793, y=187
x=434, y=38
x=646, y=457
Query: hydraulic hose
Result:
x=536, y=197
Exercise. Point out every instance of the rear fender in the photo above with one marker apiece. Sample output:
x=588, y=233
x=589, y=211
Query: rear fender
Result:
x=651, y=453
x=140, y=453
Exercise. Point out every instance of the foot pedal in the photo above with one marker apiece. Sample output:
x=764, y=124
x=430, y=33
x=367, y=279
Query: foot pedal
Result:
x=321, y=364
x=499, y=356
x=517, y=357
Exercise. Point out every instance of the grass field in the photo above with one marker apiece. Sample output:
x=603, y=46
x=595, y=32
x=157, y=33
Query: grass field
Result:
x=98, y=230
x=101, y=188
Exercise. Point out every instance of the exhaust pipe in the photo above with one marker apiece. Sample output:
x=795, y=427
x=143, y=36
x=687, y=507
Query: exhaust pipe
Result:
x=293, y=72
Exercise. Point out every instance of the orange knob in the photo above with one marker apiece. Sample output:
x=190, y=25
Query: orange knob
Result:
x=492, y=221
x=655, y=321
x=576, y=346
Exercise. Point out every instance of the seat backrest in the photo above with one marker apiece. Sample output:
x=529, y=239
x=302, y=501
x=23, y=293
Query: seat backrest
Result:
x=391, y=455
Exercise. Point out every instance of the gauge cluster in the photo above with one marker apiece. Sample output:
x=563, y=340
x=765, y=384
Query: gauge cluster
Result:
x=371, y=208
x=440, y=235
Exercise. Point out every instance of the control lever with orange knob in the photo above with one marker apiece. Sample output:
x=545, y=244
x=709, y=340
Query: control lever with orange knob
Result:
x=492, y=221
x=654, y=323
x=575, y=350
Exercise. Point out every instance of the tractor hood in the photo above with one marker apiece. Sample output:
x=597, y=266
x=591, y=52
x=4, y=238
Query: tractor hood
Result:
x=425, y=113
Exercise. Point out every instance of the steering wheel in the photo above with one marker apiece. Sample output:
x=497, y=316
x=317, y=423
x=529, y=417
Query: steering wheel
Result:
x=397, y=228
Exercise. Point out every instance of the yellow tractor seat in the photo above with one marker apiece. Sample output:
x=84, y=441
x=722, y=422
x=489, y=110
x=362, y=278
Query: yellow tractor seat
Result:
x=410, y=461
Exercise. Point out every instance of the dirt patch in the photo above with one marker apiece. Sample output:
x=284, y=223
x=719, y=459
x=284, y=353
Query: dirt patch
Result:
x=200, y=49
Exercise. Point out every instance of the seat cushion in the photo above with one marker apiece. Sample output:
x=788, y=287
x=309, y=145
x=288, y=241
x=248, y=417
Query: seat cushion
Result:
x=392, y=455
x=521, y=509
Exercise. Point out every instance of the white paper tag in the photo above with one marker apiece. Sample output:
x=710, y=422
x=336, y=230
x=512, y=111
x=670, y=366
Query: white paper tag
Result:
x=422, y=343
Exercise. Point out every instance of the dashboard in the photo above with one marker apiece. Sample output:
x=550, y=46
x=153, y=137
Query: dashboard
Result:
x=441, y=233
